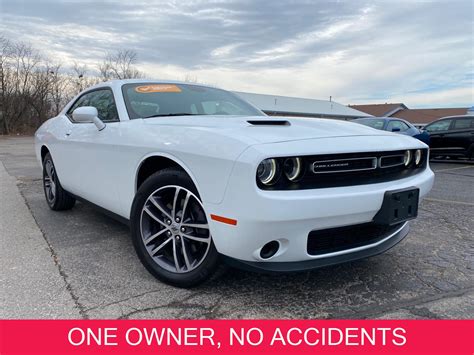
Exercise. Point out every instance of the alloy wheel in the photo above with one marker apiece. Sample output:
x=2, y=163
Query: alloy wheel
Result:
x=174, y=229
x=49, y=181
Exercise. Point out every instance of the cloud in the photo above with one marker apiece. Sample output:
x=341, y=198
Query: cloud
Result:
x=225, y=51
x=420, y=53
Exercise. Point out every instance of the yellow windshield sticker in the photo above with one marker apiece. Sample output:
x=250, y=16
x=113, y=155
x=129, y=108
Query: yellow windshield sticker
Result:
x=157, y=88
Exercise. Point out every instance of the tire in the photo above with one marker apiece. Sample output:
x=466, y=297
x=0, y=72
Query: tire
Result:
x=470, y=152
x=170, y=231
x=56, y=197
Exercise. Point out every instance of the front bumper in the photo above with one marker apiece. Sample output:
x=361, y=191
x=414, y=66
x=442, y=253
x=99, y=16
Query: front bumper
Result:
x=289, y=216
x=327, y=259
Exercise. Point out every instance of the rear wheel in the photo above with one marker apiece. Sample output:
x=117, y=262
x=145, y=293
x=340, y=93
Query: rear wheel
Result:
x=470, y=152
x=170, y=231
x=57, y=198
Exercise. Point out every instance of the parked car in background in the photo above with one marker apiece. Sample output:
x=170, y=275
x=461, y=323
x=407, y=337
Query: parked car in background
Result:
x=395, y=125
x=452, y=136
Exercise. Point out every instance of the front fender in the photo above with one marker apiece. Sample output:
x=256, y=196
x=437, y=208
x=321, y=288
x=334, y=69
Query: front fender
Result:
x=171, y=157
x=207, y=157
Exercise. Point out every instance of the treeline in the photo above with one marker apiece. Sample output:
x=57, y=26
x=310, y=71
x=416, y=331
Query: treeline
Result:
x=34, y=88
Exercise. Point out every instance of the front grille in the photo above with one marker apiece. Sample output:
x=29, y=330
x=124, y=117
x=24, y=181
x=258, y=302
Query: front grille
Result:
x=336, y=239
x=343, y=165
x=349, y=169
x=388, y=161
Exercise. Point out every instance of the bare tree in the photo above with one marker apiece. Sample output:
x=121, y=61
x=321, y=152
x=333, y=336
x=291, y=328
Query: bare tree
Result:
x=19, y=62
x=5, y=53
x=81, y=78
x=58, y=89
x=38, y=97
x=32, y=88
x=120, y=65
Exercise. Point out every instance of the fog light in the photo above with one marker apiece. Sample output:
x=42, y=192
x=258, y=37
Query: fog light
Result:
x=269, y=249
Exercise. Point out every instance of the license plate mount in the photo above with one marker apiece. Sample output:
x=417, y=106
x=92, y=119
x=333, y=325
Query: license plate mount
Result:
x=398, y=206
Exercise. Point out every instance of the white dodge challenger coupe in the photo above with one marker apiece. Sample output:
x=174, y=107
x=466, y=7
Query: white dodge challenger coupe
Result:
x=201, y=175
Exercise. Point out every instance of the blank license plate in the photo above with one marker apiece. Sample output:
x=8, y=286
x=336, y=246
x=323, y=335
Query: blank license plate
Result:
x=398, y=206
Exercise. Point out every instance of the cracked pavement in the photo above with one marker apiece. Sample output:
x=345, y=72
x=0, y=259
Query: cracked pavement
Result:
x=81, y=264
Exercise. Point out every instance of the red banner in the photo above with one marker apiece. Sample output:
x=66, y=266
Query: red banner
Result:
x=236, y=336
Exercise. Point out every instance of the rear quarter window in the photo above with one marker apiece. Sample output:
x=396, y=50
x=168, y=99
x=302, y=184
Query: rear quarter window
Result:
x=463, y=123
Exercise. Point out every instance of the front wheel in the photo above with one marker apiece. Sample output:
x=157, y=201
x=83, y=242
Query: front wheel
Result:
x=170, y=231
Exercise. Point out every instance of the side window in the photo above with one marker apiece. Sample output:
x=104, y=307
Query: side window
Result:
x=377, y=124
x=82, y=101
x=401, y=126
x=374, y=123
x=404, y=126
x=463, y=123
x=439, y=126
x=102, y=100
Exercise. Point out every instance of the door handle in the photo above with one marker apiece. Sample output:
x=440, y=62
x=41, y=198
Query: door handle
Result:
x=68, y=133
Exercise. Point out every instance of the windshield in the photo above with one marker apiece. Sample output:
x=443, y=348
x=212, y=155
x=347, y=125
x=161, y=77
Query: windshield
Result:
x=371, y=122
x=145, y=100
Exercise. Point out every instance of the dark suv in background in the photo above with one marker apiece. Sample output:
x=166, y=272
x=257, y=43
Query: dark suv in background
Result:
x=452, y=136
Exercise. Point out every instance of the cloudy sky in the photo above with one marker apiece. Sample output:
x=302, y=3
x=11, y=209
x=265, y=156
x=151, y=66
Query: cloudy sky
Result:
x=419, y=53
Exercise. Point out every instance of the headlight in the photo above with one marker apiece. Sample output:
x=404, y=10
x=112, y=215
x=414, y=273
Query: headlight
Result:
x=293, y=168
x=407, y=158
x=267, y=171
x=417, y=157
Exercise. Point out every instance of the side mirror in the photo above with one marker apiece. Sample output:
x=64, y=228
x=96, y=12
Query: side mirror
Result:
x=395, y=129
x=88, y=114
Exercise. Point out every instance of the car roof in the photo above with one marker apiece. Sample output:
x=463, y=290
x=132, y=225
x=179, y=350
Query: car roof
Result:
x=457, y=116
x=370, y=118
x=119, y=83
x=385, y=119
x=450, y=118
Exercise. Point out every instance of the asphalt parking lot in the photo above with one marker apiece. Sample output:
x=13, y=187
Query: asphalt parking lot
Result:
x=81, y=263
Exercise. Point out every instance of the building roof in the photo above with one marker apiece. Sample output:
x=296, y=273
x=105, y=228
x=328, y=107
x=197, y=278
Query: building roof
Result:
x=380, y=110
x=415, y=116
x=427, y=115
x=275, y=104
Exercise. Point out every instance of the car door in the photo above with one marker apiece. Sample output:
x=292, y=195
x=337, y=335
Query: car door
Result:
x=461, y=134
x=92, y=154
x=438, y=131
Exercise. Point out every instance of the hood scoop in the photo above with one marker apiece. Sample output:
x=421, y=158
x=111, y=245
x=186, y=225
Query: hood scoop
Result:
x=269, y=122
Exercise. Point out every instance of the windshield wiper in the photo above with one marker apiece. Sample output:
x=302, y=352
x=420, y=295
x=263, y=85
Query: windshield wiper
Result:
x=173, y=114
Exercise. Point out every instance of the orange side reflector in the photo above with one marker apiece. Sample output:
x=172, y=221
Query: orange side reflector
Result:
x=226, y=220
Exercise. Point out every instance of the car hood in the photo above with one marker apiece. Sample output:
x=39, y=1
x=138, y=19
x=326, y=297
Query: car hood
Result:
x=265, y=129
